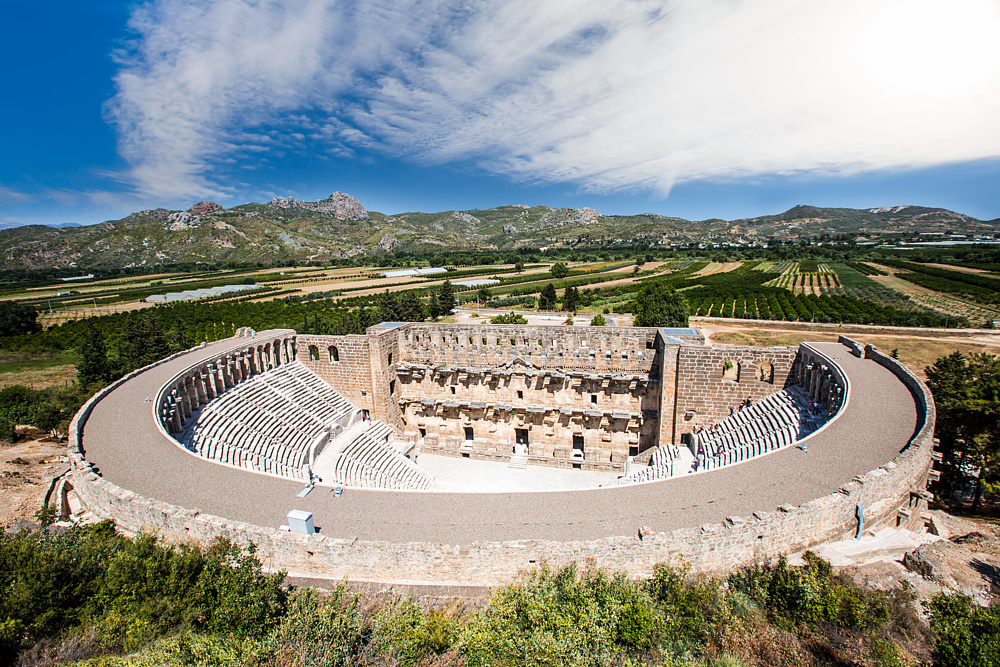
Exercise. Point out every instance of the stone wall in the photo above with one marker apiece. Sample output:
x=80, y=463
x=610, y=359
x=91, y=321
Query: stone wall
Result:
x=386, y=352
x=885, y=493
x=592, y=421
x=344, y=362
x=596, y=349
x=711, y=381
x=586, y=398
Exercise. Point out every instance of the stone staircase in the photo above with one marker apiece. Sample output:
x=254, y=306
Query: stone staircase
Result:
x=518, y=461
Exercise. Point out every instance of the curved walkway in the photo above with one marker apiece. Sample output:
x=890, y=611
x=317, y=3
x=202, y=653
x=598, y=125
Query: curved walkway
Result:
x=121, y=439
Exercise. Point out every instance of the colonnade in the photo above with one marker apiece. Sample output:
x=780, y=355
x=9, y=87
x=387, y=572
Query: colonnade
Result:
x=196, y=386
x=823, y=384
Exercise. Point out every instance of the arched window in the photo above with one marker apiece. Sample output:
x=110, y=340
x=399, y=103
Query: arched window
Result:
x=334, y=353
x=731, y=370
x=765, y=372
x=313, y=353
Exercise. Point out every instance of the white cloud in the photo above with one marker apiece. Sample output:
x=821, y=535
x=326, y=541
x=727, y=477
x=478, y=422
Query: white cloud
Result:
x=612, y=94
x=12, y=195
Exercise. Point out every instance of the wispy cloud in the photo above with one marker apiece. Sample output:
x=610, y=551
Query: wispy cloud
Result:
x=12, y=195
x=608, y=95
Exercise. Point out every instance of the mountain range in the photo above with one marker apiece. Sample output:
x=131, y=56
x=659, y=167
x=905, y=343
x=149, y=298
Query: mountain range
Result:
x=339, y=226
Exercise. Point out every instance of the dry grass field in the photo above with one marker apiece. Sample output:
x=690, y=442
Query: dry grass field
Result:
x=917, y=349
x=38, y=371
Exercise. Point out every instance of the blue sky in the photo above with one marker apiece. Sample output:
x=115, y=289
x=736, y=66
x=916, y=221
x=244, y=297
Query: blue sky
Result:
x=714, y=108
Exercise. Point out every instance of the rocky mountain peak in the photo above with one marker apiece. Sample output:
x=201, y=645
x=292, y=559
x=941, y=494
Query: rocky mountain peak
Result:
x=340, y=205
x=205, y=208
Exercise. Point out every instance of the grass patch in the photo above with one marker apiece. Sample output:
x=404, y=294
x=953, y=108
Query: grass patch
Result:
x=919, y=353
x=762, y=338
x=46, y=369
x=732, y=338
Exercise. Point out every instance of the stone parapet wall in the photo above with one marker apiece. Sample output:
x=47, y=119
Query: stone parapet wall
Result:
x=716, y=547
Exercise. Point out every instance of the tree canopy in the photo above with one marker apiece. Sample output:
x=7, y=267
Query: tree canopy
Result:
x=17, y=319
x=657, y=305
x=967, y=396
x=446, y=297
x=509, y=318
x=547, y=298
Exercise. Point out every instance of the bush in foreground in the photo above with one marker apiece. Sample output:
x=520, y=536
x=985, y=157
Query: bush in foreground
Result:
x=94, y=596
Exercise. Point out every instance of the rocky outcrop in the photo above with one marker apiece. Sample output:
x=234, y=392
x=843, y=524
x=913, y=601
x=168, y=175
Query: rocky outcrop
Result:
x=388, y=242
x=570, y=216
x=182, y=220
x=509, y=229
x=464, y=217
x=151, y=213
x=340, y=205
x=206, y=208
x=347, y=254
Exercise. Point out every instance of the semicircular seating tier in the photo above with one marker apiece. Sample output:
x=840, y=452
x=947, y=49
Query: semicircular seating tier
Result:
x=775, y=422
x=282, y=421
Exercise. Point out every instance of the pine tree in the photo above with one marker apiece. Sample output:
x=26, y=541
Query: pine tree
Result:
x=433, y=308
x=388, y=307
x=154, y=345
x=571, y=299
x=130, y=353
x=178, y=339
x=446, y=297
x=93, y=366
x=547, y=299
x=411, y=307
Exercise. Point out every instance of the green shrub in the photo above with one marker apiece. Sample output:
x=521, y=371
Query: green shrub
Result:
x=511, y=318
x=560, y=618
x=966, y=633
x=124, y=593
x=884, y=653
x=321, y=633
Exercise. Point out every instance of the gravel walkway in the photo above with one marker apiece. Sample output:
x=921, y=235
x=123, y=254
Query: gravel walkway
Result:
x=122, y=440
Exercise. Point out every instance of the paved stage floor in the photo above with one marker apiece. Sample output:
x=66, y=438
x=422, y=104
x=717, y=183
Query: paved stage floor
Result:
x=455, y=475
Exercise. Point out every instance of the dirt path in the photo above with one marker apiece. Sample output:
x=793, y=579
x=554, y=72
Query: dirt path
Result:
x=960, y=269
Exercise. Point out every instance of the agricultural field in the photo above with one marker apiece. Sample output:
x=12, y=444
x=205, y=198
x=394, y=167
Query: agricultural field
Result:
x=38, y=371
x=950, y=303
x=807, y=277
x=781, y=290
x=977, y=287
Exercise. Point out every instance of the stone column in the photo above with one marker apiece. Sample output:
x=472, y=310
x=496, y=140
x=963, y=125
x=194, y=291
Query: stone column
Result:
x=176, y=416
x=209, y=379
x=234, y=369
x=198, y=380
x=222, y=373
x=185, y=402
x=192, y=392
